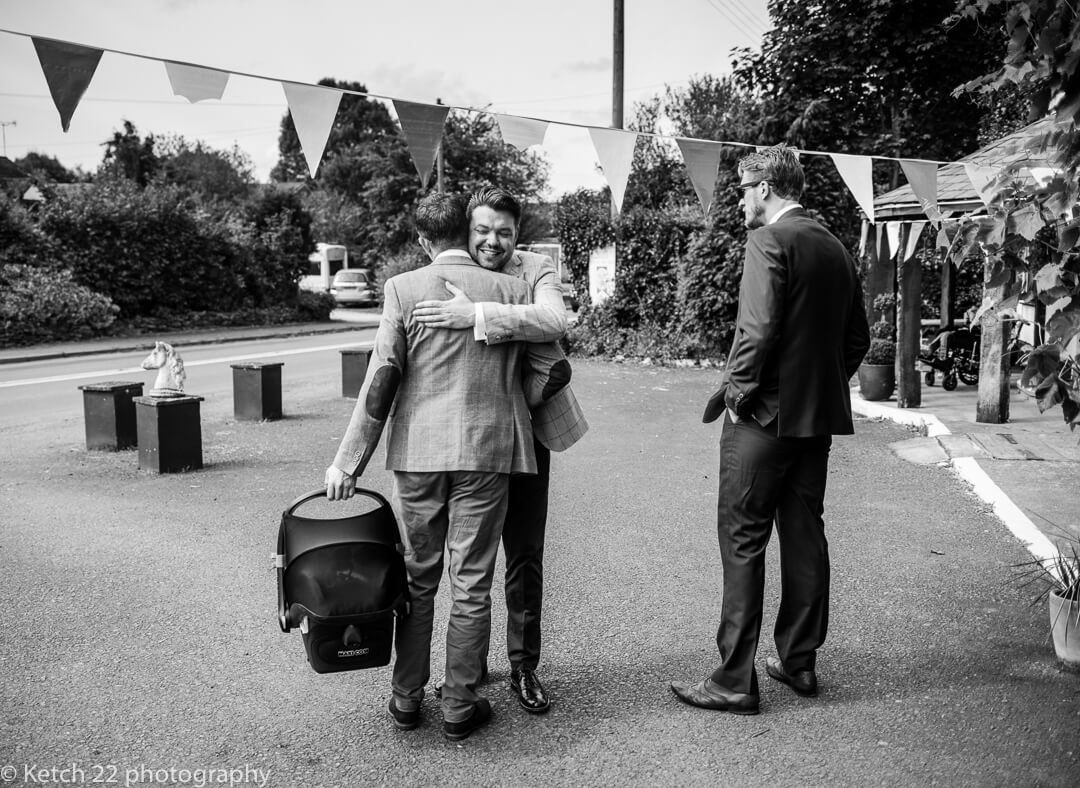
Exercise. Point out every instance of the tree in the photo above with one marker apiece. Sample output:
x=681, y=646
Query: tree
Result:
x=130, y=156
x=359, y=121
x=224, y=176
x=1041, y=61
x=367, y=163
x=42, y=167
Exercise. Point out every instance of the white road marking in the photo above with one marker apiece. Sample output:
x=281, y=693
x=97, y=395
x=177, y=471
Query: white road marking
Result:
x=203, y=363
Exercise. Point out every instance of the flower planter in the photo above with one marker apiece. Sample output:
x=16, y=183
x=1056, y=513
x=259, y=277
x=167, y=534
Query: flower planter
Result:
x=1065, y=627
x=877, y=381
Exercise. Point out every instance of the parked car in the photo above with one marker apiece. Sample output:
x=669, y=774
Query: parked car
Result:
x=354, y=287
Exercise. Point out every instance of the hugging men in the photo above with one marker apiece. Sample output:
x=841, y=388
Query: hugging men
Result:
x=459, y=427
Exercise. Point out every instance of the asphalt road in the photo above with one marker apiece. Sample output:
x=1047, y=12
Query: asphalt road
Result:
x=46, y=390
x=140, y=624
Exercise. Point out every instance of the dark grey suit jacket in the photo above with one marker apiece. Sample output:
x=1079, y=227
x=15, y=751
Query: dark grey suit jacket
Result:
x=800, y=334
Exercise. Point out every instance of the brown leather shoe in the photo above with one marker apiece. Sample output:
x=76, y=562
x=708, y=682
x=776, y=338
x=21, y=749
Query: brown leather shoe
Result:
x=803, y=682
x=710, y=695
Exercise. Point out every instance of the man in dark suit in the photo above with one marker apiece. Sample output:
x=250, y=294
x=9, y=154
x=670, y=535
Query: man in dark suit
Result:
x=800, y=334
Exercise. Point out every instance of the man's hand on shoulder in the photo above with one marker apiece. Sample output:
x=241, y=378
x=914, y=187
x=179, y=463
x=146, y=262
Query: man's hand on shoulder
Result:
x=340, y=486
x=458, y=312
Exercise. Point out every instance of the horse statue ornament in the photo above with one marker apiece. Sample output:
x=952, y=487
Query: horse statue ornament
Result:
x=171, y=375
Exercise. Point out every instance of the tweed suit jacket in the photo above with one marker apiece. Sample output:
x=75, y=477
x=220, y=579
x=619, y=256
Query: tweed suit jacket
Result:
x=800, y=333
x=453, y=404
x=557, y=418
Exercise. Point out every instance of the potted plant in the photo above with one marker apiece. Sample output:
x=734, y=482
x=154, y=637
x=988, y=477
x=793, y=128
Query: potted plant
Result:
x=1061, y=577
x=877, y=372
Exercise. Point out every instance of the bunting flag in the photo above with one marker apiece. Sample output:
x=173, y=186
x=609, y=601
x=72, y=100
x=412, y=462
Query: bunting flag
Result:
x=913, y=239
x=857, y=172
x=68, y=69
x=922, y=177
x=702, y=162
x=521, y=132
x=313, y=111
x=615, y=149
x=981, y=178
x=196, y=83
x=892, y=232
x=423, y=128
x=883, y=251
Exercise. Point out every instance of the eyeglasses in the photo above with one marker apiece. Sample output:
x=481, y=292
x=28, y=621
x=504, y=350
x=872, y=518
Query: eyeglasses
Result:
x=741, y=188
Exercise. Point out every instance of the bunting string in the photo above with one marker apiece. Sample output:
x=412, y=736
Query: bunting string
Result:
x=69, y=66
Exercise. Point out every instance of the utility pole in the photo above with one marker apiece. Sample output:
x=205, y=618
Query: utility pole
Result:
x=3, y=132
x=617, y=69
x=439, y=158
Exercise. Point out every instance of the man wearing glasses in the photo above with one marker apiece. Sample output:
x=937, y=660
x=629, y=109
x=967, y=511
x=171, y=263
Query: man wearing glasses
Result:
x=800, y=334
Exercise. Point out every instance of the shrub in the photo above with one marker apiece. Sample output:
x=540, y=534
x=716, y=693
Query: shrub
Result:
x=406, y=259
x=314, y=306
x=38, y=304
x=881, y=351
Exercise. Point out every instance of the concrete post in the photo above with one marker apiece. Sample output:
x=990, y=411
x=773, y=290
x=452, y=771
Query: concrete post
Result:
x=257, y=391
x=354, y=364
x=110, y=414
x=170, y=433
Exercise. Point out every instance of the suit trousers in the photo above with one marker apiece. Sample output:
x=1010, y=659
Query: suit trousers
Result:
x=523, y=544
x=765, y=478
x=463, y=512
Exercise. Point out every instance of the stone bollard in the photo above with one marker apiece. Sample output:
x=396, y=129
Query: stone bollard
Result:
x=170, y=433
x=257, y=391
x=109, y=412
x=354, y=364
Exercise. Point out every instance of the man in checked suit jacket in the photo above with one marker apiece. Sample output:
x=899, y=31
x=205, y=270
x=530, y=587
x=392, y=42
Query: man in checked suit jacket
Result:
x=800, y=334
x=459, y=426
x=558, y=422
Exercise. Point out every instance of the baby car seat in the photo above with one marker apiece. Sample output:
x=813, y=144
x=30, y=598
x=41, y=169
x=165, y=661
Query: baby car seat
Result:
x=342, y=582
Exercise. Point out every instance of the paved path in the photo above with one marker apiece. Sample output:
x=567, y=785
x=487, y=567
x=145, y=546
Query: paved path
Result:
x=140, y=624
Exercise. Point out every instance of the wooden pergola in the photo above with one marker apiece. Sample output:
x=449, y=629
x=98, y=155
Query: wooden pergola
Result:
x=889, y=272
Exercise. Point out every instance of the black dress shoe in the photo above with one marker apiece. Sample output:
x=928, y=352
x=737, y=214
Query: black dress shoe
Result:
x=803, y=682
x=404, y=720
x=442, y=680
x=530, y=692
x=456, y=731
x=710, y=695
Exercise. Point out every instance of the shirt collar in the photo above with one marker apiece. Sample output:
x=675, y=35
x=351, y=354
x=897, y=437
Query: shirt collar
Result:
x=782, y=211
x=451, y=253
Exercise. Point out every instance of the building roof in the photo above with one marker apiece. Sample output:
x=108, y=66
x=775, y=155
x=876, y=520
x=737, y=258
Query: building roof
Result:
x=955, y=192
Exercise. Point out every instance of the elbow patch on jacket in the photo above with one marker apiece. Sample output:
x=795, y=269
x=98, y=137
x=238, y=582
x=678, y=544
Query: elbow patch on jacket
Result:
x=559, y=378
x=384, y=386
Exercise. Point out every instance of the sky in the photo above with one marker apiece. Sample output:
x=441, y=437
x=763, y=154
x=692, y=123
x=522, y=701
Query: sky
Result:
x=550, y=60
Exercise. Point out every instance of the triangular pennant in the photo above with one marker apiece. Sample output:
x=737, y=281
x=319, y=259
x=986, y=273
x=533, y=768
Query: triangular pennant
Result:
x=913, y=239
x=68, y=69
x=521, y=132
x=196, y=83
x=615, y=149
x=892, y=232
x=702, y=161
x=922, y=177
x=981, y=178
x=883, y=250
x=423, y=128
x=313, y=112
x=857, y=172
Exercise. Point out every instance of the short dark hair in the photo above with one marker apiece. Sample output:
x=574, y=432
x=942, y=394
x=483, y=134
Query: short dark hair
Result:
x=779, y=165
x=440, y=218
x=497, y=200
